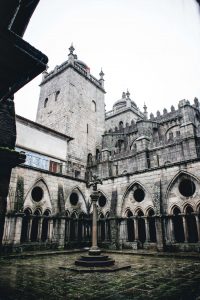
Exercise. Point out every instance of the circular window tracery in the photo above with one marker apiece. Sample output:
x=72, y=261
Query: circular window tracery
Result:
x=37, y=193
x=73, y=198
x=187, y=187
x=102, y=201
x=138, y=194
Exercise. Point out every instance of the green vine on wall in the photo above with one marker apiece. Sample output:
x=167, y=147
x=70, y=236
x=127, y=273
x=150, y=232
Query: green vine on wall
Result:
x=61, y=201
x=19, y=194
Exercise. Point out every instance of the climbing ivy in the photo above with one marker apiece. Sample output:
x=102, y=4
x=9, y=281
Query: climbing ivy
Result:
x=19, y=194
x=61, y=201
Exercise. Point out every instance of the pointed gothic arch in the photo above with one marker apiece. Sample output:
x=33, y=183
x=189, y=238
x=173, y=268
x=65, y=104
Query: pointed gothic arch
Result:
x=76, y=200
x=139, y=194
x=183, y=174
x=45, y=196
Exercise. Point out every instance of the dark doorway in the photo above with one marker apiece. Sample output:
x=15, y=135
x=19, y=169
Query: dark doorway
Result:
x=178, y=226
x=73, y=225
x=191, y=225
x=130, y=226
x=152, y=226
x=45, y=222
x=141, y=227
x=34, y=229
x=25, y=226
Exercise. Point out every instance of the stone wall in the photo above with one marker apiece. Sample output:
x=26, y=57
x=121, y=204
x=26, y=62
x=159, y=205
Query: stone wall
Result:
x=77, y=111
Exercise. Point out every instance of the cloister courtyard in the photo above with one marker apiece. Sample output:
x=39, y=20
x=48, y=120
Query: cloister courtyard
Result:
x=150, y=277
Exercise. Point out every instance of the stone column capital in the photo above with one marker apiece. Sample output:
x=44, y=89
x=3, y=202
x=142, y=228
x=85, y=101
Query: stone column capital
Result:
x=94, y=196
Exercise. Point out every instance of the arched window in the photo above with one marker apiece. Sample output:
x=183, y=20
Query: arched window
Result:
x=45, y=102
x=56, y=95
x=93, y=106
x=121, y=124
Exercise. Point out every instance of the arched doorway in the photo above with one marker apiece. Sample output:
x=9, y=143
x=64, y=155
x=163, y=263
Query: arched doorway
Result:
x=73, y=227
x=45, y=222
x=130, y=226
x=191, y=225
x=81, y=227
x=25, y=226
x=141, y=227
x=101, y=228
x=108, y=233
x=152, y=226
x=34, y=229
x=178, y=226
x=67, y=226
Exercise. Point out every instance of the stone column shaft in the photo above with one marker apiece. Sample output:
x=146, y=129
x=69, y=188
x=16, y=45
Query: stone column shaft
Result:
x=185, y=228
x=147, y=229
x=94, y=249
x=171, y=230
x=29, y=229
x=18, y=229
x=136, y=229
x=198, y=226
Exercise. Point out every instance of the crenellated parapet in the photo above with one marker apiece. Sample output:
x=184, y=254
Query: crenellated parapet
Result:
x=77, y=65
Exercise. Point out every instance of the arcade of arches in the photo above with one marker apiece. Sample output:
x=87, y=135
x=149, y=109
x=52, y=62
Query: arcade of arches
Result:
x=137, y=228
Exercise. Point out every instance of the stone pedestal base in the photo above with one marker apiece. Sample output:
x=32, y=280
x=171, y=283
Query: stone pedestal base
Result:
x=94, y=251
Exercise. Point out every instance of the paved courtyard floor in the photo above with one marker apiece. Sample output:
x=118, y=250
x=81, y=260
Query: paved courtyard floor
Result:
x=150, y=277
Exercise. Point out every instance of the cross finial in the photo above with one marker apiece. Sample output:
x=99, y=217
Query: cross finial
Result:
x=71, y=49
x=127, y=94
x=145, y=108
x=101, y=74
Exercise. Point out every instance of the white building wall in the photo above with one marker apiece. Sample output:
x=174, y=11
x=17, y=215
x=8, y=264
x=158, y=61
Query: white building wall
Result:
x=33, y=139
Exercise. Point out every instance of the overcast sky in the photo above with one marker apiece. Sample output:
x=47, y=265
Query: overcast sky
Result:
x=151, y=47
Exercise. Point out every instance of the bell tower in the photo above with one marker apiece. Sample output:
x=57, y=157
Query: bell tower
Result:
x=72, y=102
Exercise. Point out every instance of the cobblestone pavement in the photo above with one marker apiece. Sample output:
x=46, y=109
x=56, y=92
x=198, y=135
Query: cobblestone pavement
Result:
x=150, y=277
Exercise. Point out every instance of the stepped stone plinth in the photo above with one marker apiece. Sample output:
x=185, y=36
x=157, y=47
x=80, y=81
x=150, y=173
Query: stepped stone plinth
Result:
x=95, y=261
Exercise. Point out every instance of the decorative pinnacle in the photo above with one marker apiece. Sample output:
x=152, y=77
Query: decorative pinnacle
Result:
x=71, y=49
x=101, y=74
x=123, y=95
x=127, y=94
x=94, y=182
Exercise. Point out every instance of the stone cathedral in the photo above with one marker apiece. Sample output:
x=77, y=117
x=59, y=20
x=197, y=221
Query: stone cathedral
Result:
x=149, y=166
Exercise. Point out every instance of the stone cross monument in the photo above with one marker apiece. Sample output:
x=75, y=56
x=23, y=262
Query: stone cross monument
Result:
x=94, y=250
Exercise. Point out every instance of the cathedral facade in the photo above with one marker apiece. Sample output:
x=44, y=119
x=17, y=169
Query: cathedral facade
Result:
x=149, y=167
